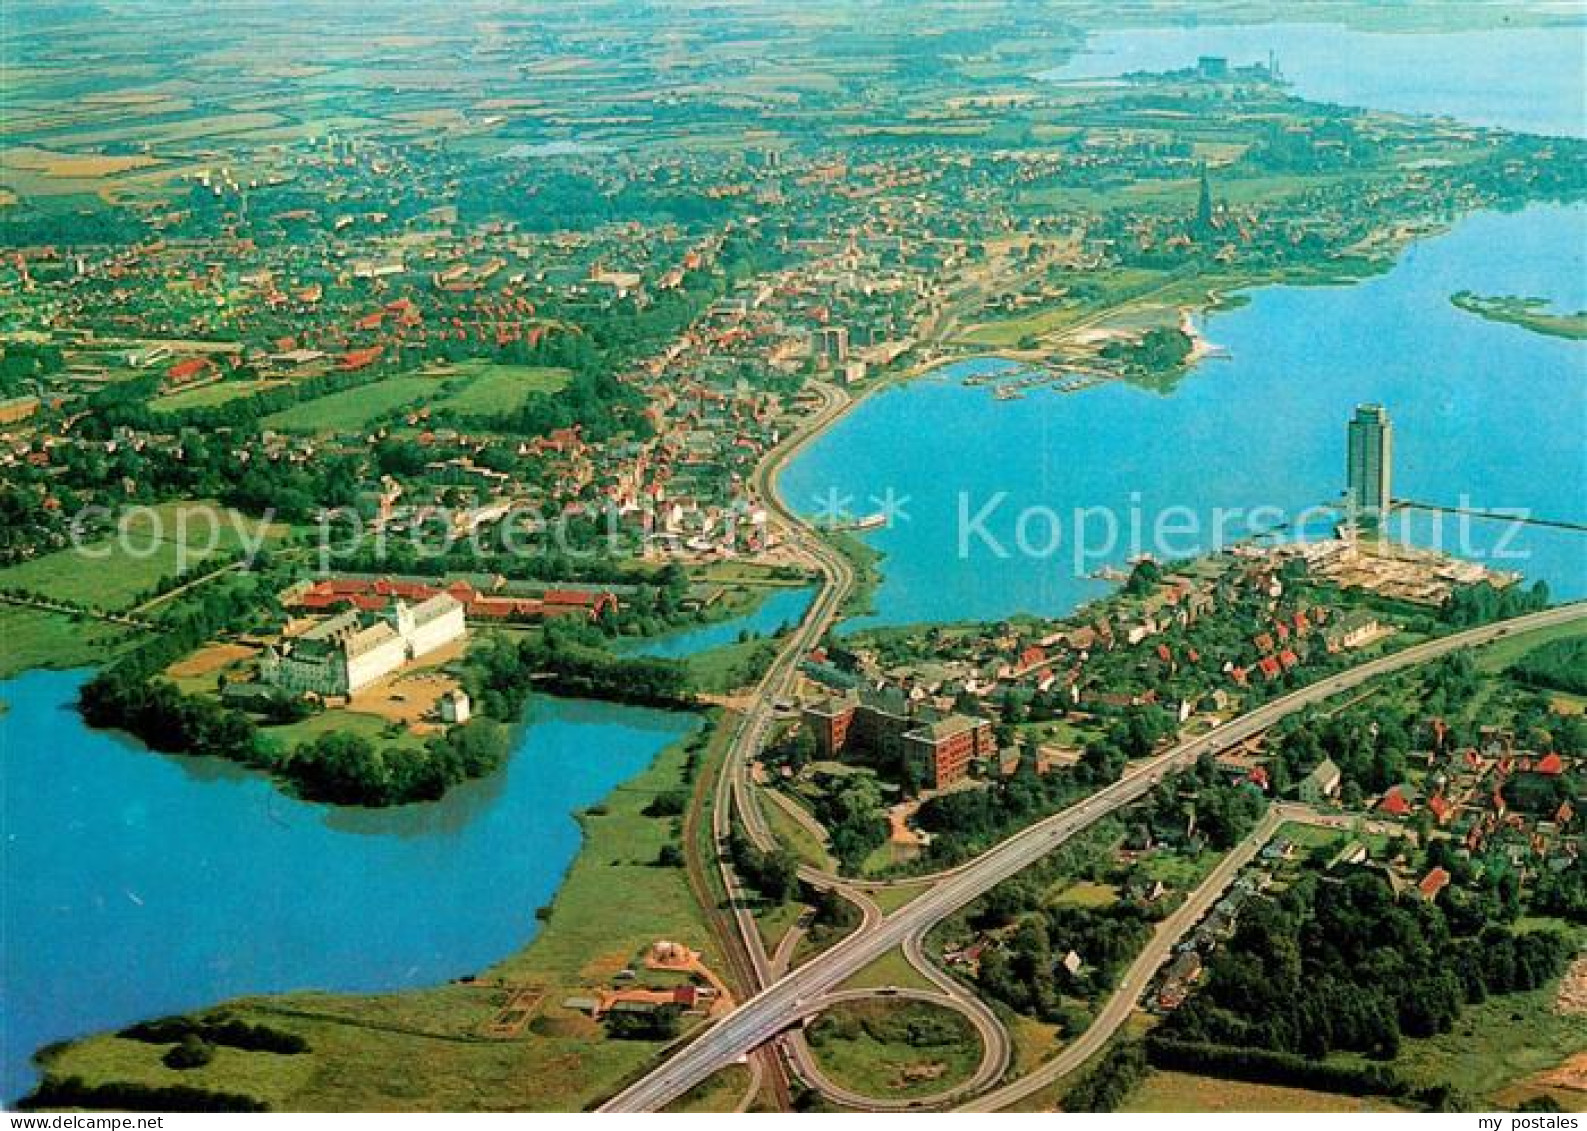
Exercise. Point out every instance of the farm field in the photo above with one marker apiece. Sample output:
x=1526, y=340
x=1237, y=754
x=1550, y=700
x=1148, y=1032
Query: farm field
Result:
x=353, y=409
x=109, y=575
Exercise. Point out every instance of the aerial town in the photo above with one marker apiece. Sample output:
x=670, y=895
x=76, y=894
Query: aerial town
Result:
x=487, y=500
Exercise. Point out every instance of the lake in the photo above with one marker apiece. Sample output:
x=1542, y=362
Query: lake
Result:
x=781, y=608
x=139, y=884
x=1527, y=79
x=1483, y=412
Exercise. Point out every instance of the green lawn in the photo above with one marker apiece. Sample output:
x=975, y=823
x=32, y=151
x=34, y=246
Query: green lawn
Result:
x=496, y=390
x=372, y=727
x=115, y=573
x=862, y=1046
x=1181, y=873
x=796, y=836
x=353, y=409
x=891, y=969
x=1087, y=894
x=424, y=1050
x=891, y=899
x=207, y=396
x=1502, y=653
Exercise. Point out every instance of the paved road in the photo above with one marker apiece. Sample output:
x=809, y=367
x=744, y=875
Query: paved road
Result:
x=772, y=1010
x=732, y=786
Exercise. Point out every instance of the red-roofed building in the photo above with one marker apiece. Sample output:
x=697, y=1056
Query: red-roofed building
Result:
x=1394, y=804
x=1550, y=765
x=360, y=359
x=189, y=369
x=578, y=602
x=1441, y=808
x=1433, y=883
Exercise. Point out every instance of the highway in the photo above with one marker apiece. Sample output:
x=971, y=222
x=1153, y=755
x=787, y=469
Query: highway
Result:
x=780, y=1004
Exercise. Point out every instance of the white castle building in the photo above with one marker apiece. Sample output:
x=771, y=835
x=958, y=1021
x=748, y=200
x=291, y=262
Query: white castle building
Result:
x=341, y=655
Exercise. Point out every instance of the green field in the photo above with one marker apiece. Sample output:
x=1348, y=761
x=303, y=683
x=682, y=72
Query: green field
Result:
x=115, y=573
x=720, y=1092
x=792, y=833
x=496, y=390
x=34, y=638
x=372, y=727
x=423, y=1050
x=1087, y=894
x=1502, y=653
x=731, y=666
x=353, y=409
x=207, y=396
x=472, y=388
x=862, y=1046
x=891, y=969
x=890, y=899
x=1181, y=1092
x=1496, y=1045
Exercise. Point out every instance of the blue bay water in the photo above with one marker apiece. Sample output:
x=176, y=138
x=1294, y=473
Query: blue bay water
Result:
x=1527, y=79
x=138, y=884
x=1485, y=414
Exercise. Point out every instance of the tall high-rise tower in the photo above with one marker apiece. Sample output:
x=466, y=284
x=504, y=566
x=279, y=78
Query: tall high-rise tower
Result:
x=1370, y=464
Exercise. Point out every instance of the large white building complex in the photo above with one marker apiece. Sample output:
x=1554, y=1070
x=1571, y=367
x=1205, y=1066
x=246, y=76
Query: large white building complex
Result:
x=342, y=655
